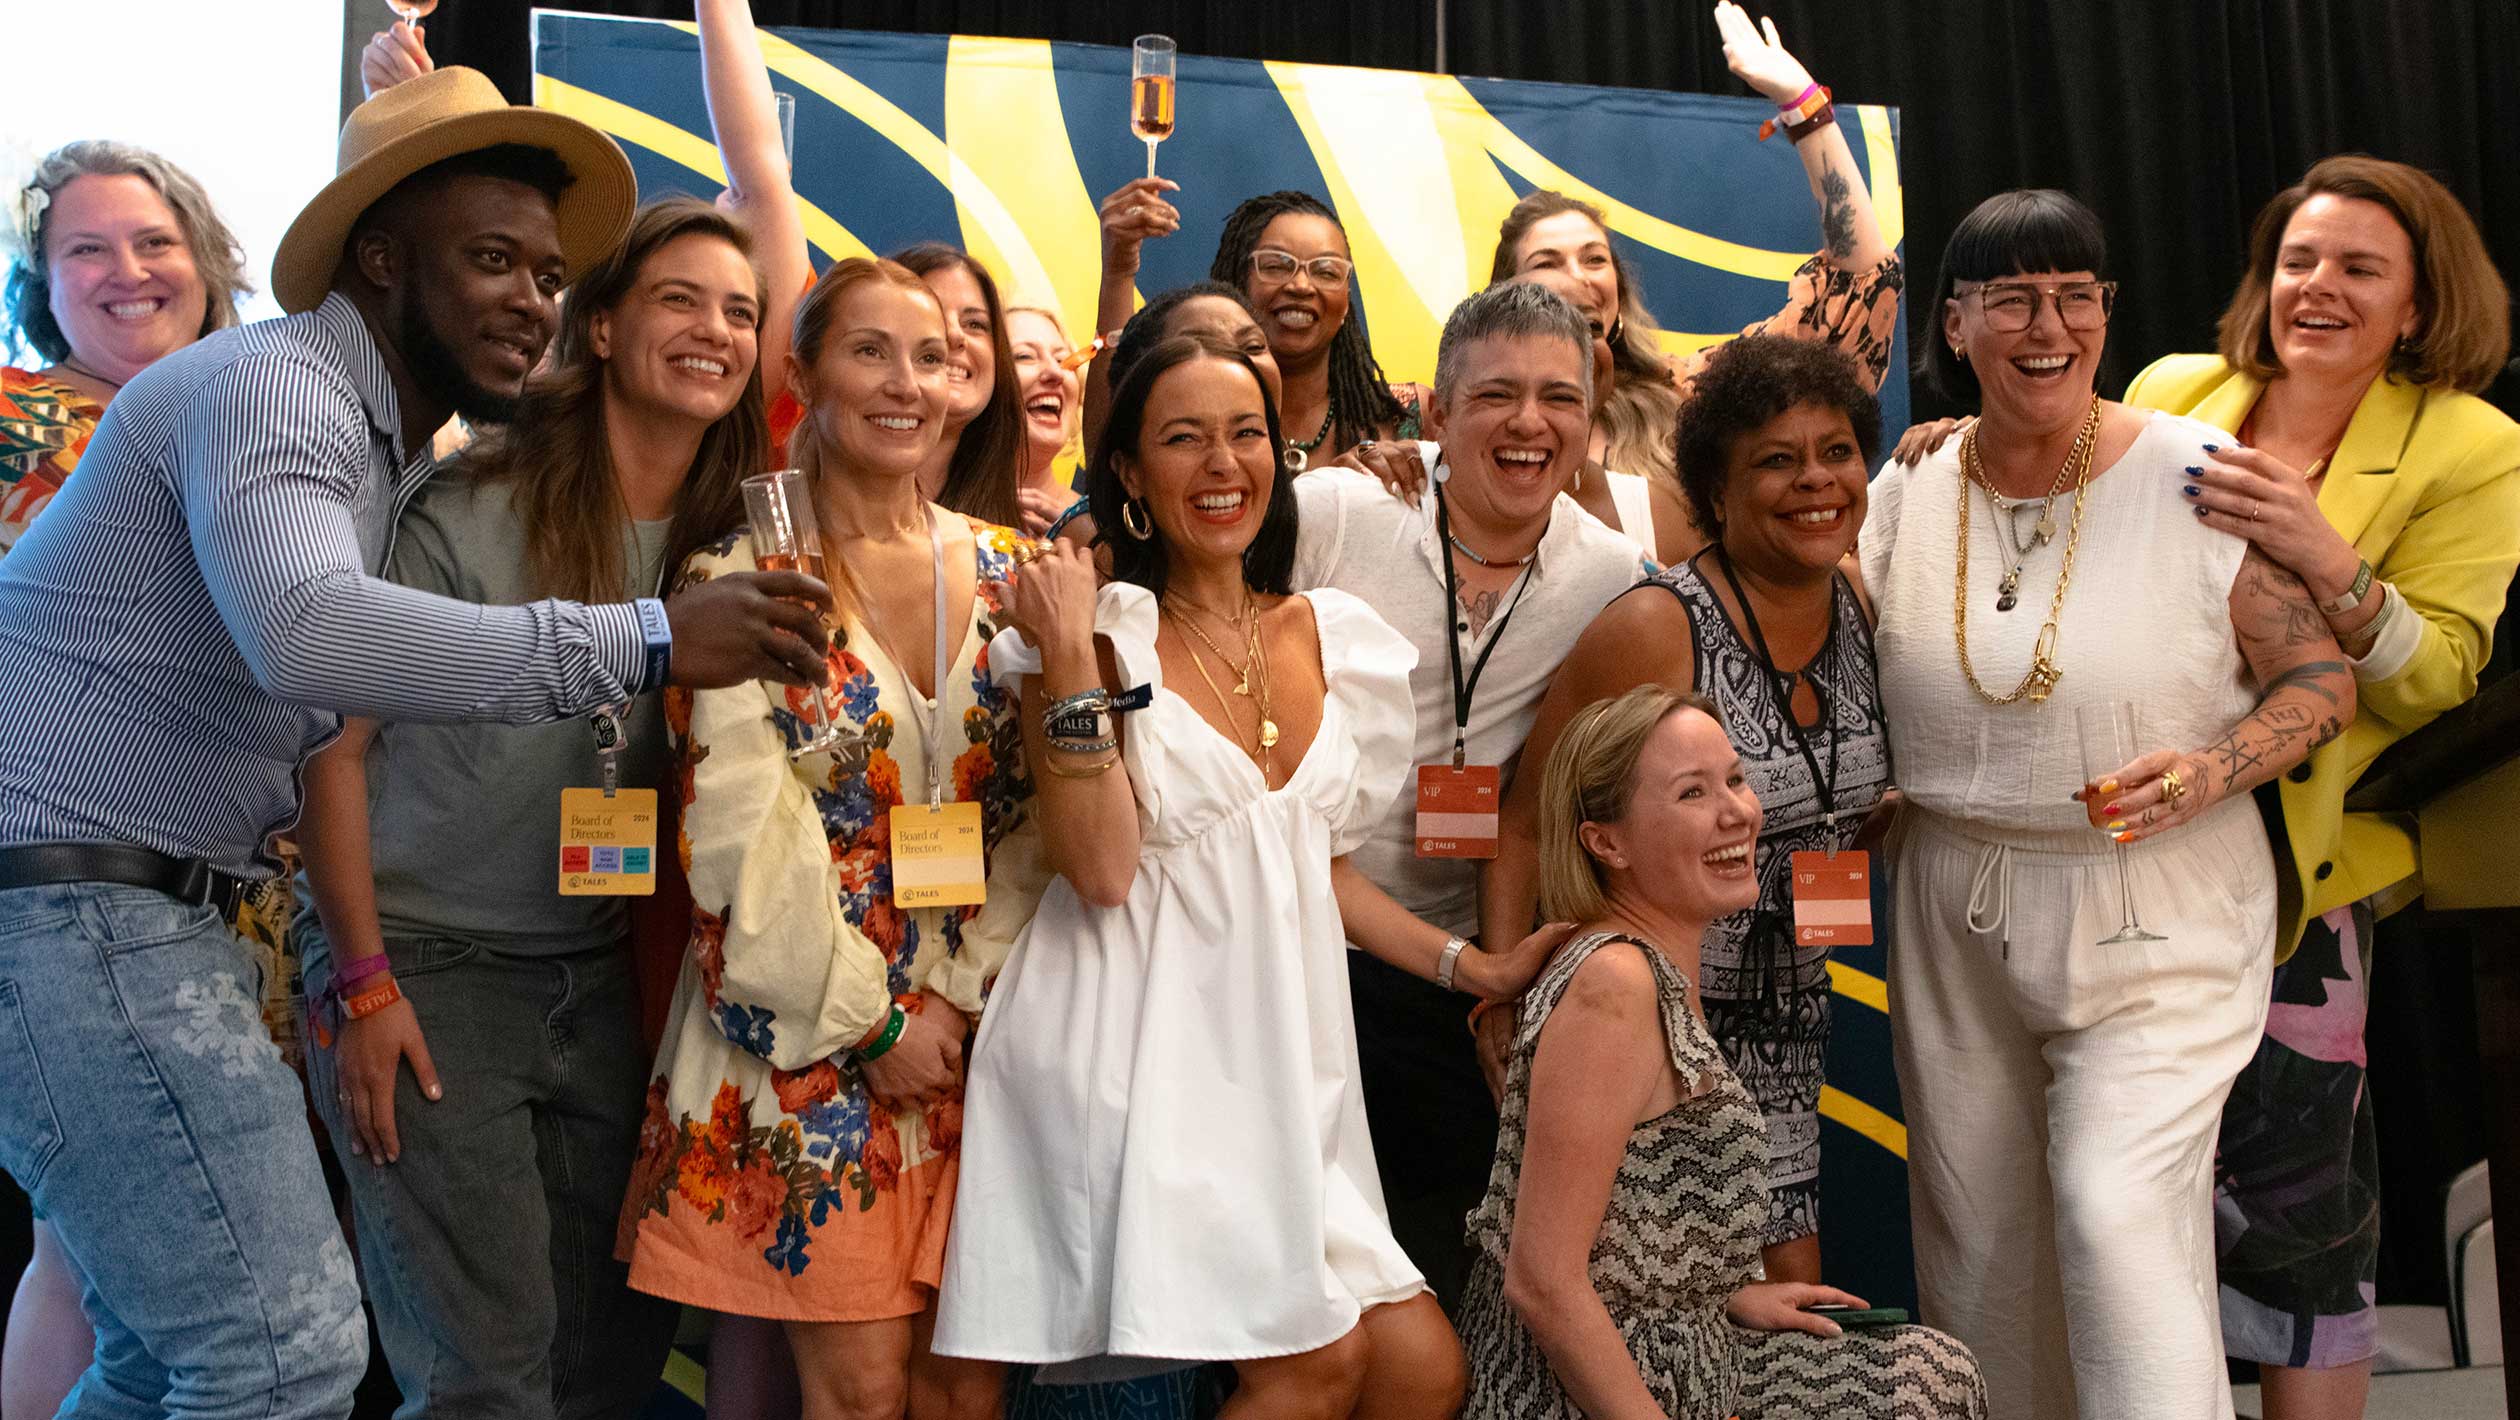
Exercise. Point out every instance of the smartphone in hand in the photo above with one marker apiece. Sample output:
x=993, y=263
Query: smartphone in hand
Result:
x=1852, y=1317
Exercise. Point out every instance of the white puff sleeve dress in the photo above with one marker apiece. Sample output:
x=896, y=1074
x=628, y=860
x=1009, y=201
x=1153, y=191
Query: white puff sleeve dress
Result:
x=1164, y=1148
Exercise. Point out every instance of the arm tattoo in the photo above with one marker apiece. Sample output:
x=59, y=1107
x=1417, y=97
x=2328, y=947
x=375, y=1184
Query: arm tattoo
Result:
x=1837, y=215
x=2278, y=608
x=2311, y=676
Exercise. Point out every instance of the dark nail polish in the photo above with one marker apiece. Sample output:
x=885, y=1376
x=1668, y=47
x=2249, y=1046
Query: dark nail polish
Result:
x=2193, y=470
x=2200, y=512
x=2190, y=490
x=2209, y=448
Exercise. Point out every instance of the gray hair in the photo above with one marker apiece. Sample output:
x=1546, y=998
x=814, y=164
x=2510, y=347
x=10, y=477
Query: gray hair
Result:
x=216, y=253
x=1515, y=308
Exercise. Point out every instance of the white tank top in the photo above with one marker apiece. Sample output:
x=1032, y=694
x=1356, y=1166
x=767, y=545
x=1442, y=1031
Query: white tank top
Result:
x=1632, y=498
x=2147, y=619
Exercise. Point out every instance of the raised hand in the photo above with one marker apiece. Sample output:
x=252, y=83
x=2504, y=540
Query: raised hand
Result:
x=392, y=56
x=1130, y=216
x=1757, y=57
x=1051, y=598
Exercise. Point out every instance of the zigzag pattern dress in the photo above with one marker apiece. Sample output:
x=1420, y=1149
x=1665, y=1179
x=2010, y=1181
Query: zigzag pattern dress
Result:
x=1680, y=1235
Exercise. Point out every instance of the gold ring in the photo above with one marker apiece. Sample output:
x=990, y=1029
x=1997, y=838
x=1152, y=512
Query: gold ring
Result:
x=1025, y=552
x=2172, y=788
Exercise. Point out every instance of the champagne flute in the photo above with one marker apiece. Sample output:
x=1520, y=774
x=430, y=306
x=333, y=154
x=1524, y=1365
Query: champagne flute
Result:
x=785, y=538
x=2108, y=733
x=1151, y=92
x=412, y=11
x=786, y=104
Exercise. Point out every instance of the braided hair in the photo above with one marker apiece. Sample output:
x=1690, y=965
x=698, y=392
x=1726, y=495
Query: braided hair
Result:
x=1359, y=394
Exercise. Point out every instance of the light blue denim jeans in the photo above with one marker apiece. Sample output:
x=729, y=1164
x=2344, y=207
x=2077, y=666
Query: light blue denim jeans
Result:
x=145, y=1110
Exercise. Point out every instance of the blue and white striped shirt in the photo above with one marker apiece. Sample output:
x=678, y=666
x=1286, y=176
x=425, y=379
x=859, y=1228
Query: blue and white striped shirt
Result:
x=199, y=605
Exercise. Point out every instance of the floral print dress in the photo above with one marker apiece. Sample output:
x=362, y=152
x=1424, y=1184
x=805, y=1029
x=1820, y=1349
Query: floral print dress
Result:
x=44, y=426
x=769, y=1182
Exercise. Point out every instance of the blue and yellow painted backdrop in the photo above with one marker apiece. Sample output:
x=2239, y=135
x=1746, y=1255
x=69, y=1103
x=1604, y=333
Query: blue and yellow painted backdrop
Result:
x=1007, y=147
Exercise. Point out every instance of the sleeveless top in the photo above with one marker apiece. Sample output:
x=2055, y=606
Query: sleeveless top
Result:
x=1750, y=955
x=2146, y=619
x=1632, y=494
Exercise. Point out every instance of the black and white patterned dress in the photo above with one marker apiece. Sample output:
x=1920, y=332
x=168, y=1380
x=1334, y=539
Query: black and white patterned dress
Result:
x=1767, y=1000
x=1680, y=1235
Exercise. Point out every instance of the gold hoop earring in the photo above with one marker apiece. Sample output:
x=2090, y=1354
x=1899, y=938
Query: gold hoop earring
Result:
x=1134, y=518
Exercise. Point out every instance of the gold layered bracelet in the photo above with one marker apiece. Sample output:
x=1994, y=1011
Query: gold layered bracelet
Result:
x=1085, y=771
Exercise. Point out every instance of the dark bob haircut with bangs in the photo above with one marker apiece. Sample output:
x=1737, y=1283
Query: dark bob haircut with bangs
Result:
x=1269, y=562
x=2017, y=233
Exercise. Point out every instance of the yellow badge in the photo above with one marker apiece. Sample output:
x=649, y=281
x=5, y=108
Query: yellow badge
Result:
x=607, y=845
x=936, y=856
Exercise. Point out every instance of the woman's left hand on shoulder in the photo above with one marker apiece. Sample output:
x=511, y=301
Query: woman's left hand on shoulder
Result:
x=2253, y=494
x=2139, y=797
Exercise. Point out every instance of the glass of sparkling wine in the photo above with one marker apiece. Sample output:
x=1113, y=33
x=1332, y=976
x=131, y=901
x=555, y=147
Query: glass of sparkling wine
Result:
x=2108, y=733
x=785, y=538
x=1151, y=92
x=412, y=11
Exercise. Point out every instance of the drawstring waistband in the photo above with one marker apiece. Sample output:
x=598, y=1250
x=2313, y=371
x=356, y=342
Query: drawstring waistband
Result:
x=1990, y=892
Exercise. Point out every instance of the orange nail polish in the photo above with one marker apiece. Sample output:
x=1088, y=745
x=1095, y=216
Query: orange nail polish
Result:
x=2121, y=837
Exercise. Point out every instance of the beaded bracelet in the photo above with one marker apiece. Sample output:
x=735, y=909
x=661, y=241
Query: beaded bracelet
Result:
x=886, y=1038
x=1077, y=746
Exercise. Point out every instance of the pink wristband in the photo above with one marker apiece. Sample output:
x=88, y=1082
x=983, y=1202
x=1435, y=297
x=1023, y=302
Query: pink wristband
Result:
x=351, y=975
x=1800, y=99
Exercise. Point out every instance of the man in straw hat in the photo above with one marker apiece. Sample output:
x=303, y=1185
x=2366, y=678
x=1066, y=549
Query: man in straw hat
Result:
x=183, y=626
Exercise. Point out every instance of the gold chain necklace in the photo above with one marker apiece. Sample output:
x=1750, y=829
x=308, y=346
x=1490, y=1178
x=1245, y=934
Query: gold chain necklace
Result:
x=1253, y=672
x=2040, y=680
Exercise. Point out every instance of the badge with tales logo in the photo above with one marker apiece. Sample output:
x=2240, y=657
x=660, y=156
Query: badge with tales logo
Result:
x=1456, y=810
x=607, y=843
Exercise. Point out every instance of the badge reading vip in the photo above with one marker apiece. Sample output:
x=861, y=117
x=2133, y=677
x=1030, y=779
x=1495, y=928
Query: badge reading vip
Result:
x=1456, y=810
x=936, y=856
x=607, y=845
x=1832, y=899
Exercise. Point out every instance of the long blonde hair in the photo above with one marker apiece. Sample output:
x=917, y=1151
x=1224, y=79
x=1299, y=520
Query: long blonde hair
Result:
x=1642, y=407
x=1591, y=778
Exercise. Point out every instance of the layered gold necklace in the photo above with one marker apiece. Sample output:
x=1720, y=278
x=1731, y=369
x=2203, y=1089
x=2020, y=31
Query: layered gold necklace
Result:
x=1251, y=677
x=2040, y=680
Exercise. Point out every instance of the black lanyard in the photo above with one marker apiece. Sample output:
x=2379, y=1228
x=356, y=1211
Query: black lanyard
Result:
x=1784, y=692
x=1464, y=689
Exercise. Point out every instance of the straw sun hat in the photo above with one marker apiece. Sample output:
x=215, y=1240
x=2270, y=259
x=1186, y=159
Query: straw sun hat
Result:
x=434, y=117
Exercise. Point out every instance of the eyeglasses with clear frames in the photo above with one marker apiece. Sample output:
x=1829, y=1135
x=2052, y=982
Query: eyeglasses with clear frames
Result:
x=1271, y=264
x=2011, y=306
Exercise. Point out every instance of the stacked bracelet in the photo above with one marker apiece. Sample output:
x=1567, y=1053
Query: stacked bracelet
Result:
x=1806, y=115
x=886, y=1038
x=1079, y=723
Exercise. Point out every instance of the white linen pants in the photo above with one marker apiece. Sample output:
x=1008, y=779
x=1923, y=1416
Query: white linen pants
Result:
x=2063, y=1099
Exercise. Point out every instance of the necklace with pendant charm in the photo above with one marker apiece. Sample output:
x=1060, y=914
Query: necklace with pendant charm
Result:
x=1252, y=676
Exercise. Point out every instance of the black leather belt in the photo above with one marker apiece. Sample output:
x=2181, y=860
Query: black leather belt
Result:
x=186, y=880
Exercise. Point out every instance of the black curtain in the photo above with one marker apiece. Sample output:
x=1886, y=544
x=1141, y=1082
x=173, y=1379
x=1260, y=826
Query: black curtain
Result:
x=2175, y=119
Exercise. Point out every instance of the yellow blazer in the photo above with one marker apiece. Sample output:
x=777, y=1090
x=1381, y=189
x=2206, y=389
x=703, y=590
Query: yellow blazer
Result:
x=2426, y=485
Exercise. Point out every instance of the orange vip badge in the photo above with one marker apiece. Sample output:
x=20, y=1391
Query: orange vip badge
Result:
x=1457, y=809
x=1832, y=899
